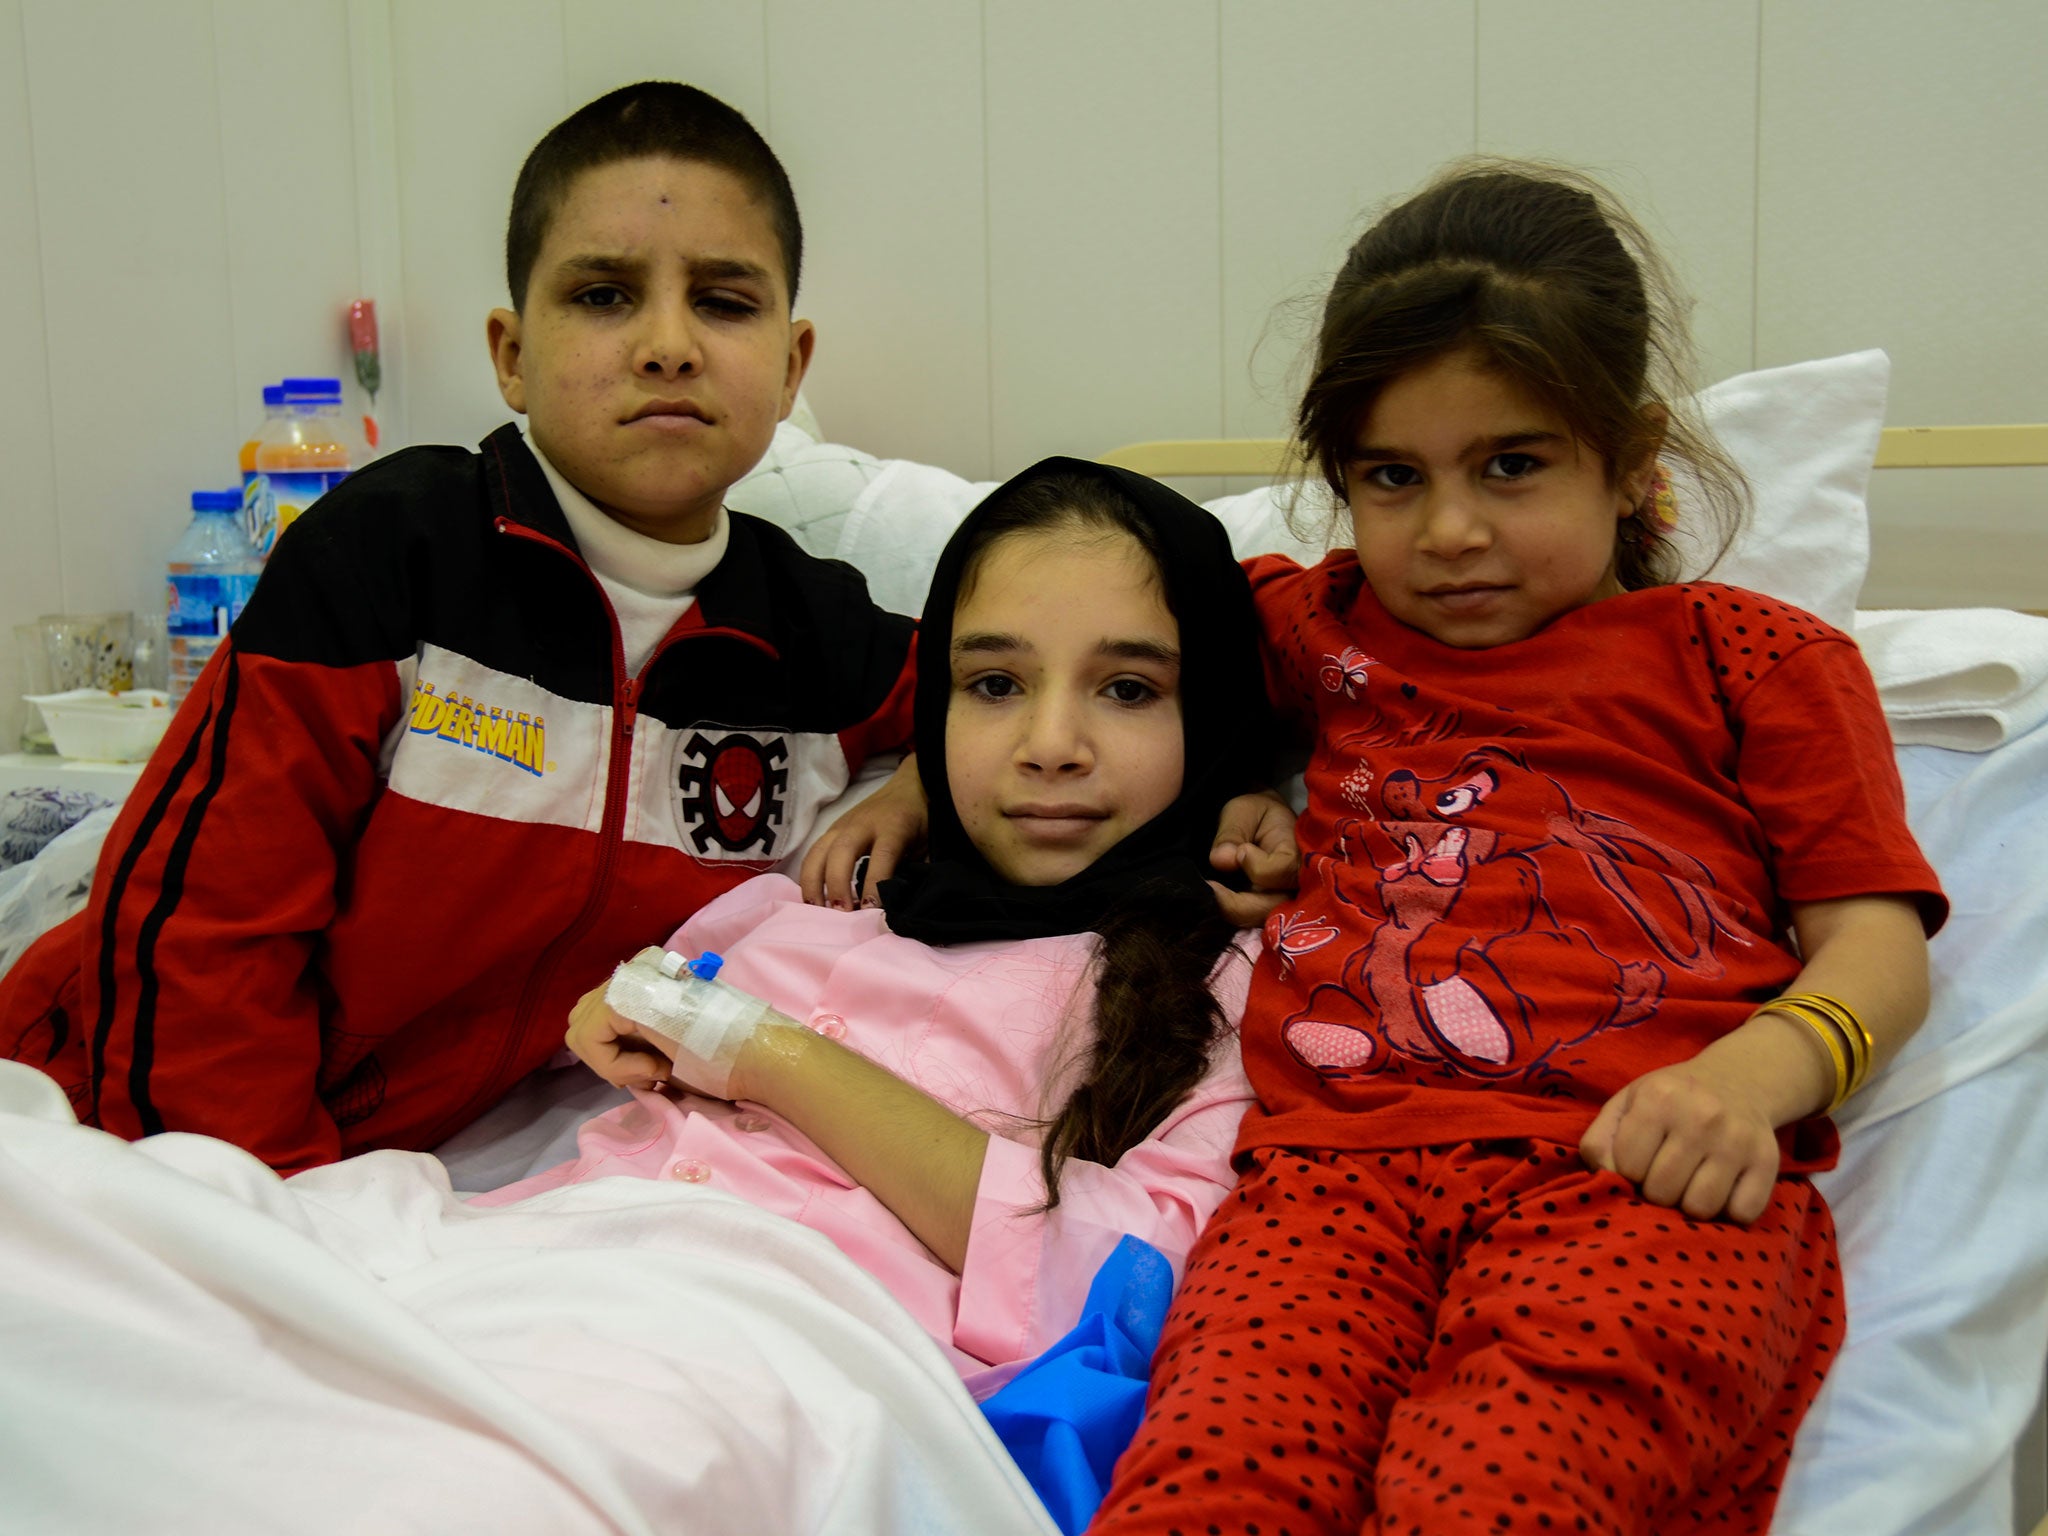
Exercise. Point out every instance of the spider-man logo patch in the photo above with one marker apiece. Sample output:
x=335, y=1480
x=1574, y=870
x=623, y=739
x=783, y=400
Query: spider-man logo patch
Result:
x=731, y=791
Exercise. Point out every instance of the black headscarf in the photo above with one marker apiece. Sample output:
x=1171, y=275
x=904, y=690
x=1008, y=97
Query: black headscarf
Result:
x=956, y=898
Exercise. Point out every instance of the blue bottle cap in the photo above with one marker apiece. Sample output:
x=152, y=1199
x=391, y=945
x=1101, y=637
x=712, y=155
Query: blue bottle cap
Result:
x=311, y=389
x=216, y=501
x=273, y=394
x=707, y=966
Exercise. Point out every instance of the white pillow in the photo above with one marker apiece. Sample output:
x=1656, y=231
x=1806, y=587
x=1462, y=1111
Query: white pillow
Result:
x=1805, y=435
x=806, y=486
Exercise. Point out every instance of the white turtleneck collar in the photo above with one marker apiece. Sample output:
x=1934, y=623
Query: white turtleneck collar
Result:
x=650, y=583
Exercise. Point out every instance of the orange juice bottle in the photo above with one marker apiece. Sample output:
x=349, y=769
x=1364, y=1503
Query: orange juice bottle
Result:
x=307, y=451
x=257, y=511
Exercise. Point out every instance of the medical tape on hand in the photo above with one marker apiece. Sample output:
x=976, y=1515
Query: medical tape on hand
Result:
x=708, y=1024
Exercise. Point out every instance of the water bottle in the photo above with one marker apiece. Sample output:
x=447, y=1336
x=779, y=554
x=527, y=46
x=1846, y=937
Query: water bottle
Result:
x=307, y=451
x=212, y=569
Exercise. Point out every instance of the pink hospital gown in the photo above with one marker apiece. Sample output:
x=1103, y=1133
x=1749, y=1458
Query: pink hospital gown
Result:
x=995, y=1030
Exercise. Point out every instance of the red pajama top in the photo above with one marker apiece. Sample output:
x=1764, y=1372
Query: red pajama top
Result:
x=1537, y=871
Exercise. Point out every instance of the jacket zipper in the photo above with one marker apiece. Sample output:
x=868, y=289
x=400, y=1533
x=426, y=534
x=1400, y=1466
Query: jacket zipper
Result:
x=611, y=830
x=611, y=834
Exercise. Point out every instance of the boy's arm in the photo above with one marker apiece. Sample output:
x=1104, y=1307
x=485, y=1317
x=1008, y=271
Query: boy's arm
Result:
x=203, y=1007
x=883, y=829
x=1701, y=1134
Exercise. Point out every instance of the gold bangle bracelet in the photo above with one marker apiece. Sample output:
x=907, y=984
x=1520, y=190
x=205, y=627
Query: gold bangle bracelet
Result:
x=1861, y=1031
x=1855, y=1035
x=1825, y=1032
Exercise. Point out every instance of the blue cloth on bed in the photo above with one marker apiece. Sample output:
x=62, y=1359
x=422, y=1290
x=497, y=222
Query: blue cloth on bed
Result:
x=1068, y=1415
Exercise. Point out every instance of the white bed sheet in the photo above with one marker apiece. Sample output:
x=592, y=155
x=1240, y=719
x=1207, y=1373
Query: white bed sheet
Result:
x=1941, y=1199
x=192, y=1344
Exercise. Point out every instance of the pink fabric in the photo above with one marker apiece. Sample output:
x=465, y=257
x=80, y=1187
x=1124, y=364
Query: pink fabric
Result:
x=994, y=1030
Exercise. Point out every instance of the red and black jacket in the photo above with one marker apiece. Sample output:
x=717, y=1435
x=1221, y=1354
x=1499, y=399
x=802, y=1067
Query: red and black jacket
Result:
x=415, y=807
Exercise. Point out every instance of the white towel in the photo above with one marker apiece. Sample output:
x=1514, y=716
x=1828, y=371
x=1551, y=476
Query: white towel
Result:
x=1970, y=679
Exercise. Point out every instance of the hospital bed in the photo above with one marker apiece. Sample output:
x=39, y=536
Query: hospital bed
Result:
x=355, y=1348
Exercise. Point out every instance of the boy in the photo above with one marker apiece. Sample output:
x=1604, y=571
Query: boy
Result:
x=491, y=720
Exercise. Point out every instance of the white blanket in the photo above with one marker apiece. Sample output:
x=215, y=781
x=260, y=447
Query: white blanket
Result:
x=192, y=1344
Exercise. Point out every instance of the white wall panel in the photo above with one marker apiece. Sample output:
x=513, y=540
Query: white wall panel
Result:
x=1036, y=225
x=379, y=240
x=717, y=45
x=288, y=167
x=1904, y=204
x=1343, y=107
x=31, y=575
x=477, y=83
x=1905, y=197
x=877, y=113
x=1659, y=101
x=130, y=196
x=1104, y=224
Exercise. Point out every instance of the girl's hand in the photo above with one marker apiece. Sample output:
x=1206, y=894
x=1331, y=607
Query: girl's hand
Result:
x=1691, y=1135
x=613, y=1047
x=884, y=827
x=1255, y=834
x=1700, y=1134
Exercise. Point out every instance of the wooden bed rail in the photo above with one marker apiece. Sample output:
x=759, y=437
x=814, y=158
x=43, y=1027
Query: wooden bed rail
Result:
x=1898, y=448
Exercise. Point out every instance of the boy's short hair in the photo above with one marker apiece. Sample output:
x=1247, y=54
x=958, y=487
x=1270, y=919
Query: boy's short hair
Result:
x=653, y=118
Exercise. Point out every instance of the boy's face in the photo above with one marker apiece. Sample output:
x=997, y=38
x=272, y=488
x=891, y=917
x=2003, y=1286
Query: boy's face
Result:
x=655, y=352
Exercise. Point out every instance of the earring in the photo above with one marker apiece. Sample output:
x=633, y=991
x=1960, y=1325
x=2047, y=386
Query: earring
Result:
x=1659, y=506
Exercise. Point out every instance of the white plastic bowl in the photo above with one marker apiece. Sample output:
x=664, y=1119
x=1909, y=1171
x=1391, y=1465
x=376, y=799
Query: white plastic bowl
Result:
x=103, y=727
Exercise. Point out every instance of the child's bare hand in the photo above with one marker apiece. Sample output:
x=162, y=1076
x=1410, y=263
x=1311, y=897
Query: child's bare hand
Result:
x=1255, y=834
x=884, y=827
x=613, y=1047
x=1689, y=1136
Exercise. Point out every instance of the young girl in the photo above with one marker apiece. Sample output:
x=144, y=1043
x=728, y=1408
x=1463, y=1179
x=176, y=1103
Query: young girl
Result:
x=944, y=1108
x=1607, y=899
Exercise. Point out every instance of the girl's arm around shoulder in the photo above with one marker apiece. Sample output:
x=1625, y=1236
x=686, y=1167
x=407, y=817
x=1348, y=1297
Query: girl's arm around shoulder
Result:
x=1702, y=1134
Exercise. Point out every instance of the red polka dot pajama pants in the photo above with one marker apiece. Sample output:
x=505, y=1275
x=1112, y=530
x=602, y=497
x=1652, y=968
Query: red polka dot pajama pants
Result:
x=1487, y=1337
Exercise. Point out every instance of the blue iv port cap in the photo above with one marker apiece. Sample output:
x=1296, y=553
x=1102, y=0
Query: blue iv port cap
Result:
x=707, y=966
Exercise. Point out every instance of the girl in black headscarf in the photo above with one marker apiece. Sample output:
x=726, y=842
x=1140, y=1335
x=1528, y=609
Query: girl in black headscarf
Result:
x=1089, y=695
x=1148, y=895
